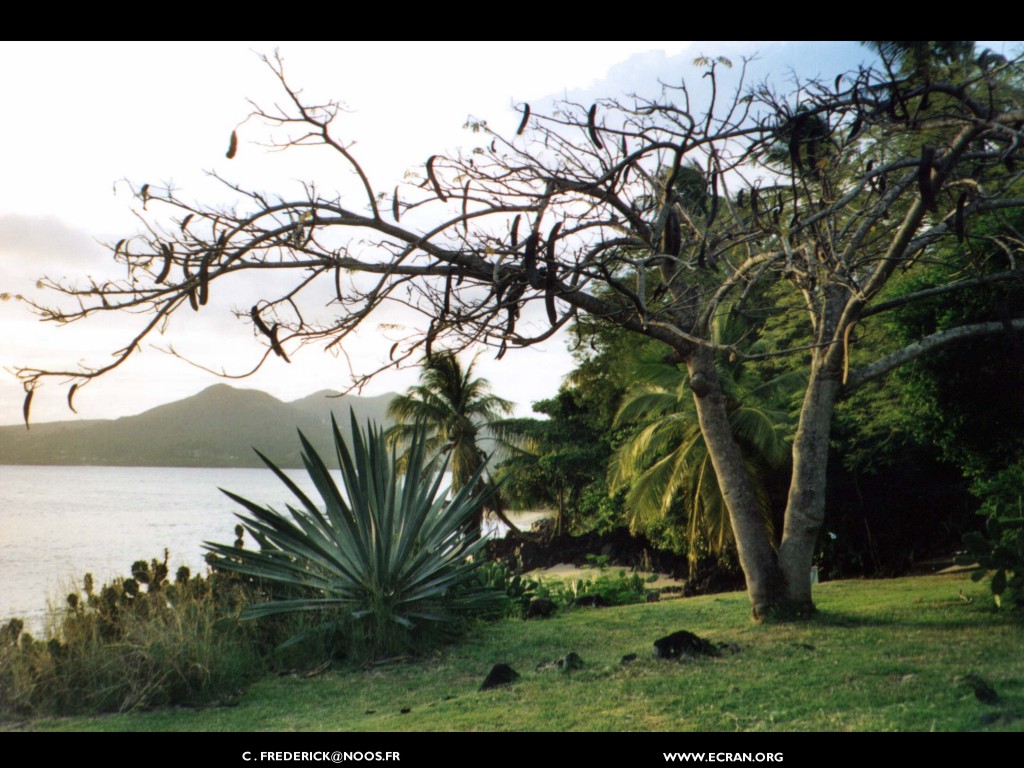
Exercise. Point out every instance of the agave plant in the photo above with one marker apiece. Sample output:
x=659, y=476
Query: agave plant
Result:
x=387, y=555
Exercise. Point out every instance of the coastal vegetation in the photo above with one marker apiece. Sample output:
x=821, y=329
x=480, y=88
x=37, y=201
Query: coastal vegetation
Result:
x=767, y=303
x=883, y=655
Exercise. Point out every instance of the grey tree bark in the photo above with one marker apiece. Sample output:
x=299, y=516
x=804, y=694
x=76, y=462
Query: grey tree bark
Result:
x=750, y=529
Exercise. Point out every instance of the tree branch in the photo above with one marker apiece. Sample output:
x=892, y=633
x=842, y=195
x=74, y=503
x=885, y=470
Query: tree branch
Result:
x=927, y=344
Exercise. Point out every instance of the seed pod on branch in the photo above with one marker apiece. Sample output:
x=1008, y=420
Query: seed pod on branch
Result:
x=433, y=178
x=447, y=300
x=592, y=127
x=530, y=260
x=276, y=345
x=671, y=238
x=958, y=221
x=204, y=278
x=30, y=392
x=168, y=254
x=522, y=123
x=254, y=313
x=270, y=333
x=924, y=178
x=551, y=274
x=855, y=129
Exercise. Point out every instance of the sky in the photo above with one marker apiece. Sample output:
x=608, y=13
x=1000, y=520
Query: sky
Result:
x=80, y=119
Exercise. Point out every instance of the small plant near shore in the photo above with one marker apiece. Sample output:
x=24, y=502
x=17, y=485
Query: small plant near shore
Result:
x=621, y=588
x=133, y=643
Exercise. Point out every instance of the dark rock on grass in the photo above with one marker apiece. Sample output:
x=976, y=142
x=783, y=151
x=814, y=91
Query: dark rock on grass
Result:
x=500, y=674
x=540, y=608
x=629, y=658
x=983, y=692
x=405, y=710
x=568, y=663
x=1000, y=718
x=591, y=601
x=571, y=662
x=683, y=643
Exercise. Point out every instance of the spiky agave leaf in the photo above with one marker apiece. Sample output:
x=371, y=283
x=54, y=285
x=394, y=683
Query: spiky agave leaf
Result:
x=388, y=550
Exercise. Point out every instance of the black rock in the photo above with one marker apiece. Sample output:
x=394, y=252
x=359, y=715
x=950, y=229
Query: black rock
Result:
x=568, y=663
x=540, y=608
x=572, y=661
x=591, y=601
x=629, y=658
x=683, y=643
x=983, y=692
x=1000, y=718
x=500, y=674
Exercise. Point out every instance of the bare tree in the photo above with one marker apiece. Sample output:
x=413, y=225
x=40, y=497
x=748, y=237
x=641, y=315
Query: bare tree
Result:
x=651, y=214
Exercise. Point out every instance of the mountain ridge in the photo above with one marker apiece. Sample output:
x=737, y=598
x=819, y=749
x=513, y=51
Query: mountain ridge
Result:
x=217, y=427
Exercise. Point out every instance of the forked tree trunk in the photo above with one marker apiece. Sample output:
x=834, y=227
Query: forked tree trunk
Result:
x=750, y=529
x=805, y=508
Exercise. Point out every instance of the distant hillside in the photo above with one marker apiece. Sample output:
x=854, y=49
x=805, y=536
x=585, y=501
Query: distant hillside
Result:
x=218, y=427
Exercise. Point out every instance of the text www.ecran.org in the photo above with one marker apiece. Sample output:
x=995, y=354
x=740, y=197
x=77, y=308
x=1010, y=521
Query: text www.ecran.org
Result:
x=723, y=757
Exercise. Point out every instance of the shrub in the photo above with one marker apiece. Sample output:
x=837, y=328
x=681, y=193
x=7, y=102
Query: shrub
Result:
x=618, y=589
x=388, y=564
x=136, y=642
x=999, y=548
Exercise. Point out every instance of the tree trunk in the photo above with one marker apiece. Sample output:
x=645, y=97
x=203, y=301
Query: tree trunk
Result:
x=805, y=508
x=753, y=540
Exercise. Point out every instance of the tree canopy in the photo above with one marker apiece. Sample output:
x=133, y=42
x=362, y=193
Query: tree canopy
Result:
x=653, y=215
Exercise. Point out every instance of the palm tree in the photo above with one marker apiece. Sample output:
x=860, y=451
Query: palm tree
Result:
x=457, y=411
x=665, y=466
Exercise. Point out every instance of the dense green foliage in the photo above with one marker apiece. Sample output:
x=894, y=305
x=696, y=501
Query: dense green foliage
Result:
x=664, y=463
x=385, y=564
x=559, y=462
x=998, y=548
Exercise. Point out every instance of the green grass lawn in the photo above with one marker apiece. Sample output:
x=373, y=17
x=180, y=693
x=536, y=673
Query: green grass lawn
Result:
x=881, y=655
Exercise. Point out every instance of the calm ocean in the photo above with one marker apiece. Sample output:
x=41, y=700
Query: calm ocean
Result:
x=59, y=523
